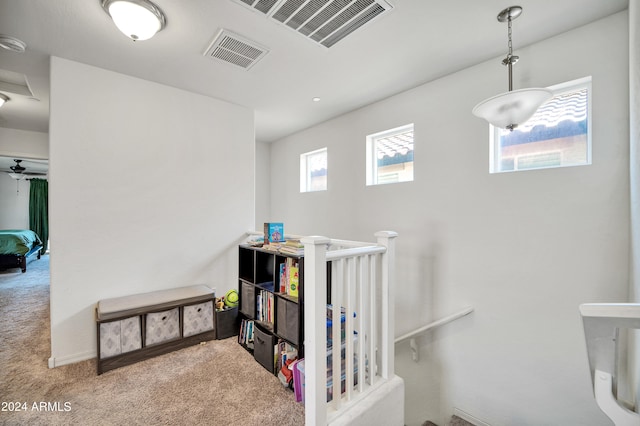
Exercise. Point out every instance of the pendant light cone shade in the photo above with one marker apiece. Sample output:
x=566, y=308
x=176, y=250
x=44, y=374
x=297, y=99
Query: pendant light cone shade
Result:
x=137, y=19
x=509, y=109
x=3, y=99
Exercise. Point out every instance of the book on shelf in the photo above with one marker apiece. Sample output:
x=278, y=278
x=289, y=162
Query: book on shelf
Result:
x=245, y=337
x=294, y=281
x=292, y=250
x=265, y=311
x=283, y=280
x=292, y=246
x=293, y=242
x=273, y=232
x=256, y=241
x=275, y=247
x=283, y=351
x=289, y=279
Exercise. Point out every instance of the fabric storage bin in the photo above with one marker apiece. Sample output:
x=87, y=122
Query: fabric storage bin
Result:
x=121, y=336
x=226, y=323
x=248, y=300
x=162, y=326
x=287, y=320
x=197, y=319
x=110, y=339
x=263, y=348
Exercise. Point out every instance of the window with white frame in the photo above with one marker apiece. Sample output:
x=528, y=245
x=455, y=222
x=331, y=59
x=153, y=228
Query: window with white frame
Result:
x=390, y=156
x=558, y=134
x=313, y=171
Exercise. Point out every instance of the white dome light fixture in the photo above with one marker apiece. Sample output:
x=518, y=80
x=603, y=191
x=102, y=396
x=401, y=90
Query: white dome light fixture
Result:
x=12, y=44
x=3, y=99
x=137, y=19
x=508, y=110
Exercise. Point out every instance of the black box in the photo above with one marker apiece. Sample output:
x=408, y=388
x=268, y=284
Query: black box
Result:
x=263, y=348
x=227, y=323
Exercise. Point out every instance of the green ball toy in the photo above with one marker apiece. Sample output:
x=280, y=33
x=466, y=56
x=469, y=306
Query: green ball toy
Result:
x=231, y=298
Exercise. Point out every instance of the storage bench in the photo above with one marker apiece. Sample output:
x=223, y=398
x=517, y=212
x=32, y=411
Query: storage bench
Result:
x=140, y=326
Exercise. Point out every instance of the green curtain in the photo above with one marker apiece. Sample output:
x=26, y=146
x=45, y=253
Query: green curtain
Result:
x=39, y=210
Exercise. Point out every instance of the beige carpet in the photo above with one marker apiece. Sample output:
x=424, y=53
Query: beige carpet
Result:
x=214, y=383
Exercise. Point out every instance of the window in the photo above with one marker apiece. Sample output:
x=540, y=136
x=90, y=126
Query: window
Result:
x=313, y=171
x=556, y=136
x=390, y=156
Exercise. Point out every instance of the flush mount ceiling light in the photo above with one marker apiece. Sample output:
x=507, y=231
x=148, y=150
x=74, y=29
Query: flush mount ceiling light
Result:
x=137, y=19
x=508, y=110
x=3, y=99
x=12, y=44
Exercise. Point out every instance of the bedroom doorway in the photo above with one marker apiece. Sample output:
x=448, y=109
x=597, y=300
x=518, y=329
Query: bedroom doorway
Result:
x=24, y=197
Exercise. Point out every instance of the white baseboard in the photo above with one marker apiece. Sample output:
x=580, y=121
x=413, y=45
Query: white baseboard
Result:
x=468, y=417
x=70, y=359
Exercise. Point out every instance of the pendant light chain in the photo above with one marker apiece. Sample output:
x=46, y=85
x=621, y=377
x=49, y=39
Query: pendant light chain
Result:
x=510, y=44
x=510, y=59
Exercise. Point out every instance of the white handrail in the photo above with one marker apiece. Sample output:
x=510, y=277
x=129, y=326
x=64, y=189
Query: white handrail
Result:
x=434, y=324
x=415, y=350
x=602, y=322
x=354, y=251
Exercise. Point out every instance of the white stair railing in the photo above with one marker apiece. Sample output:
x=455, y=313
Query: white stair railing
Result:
x=362, y=281
x=602, y=324
x=415, y=350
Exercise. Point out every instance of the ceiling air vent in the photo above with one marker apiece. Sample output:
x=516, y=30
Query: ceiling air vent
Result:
x=323, y=21
x=235, y=49
x=14, y=83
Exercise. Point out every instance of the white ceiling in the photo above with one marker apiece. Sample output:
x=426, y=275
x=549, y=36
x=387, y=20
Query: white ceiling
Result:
x=418, y=41
x=35, y=166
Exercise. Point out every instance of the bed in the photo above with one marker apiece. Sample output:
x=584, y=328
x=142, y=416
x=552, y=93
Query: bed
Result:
x=16, y=245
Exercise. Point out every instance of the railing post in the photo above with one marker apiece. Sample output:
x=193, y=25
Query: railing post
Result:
x=315, y=329
x=387, y=239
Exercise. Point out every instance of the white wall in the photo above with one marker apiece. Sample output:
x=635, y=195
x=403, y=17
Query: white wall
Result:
x=14, y=203
x=14, y=195
x=524, y=249
x=150, y=188
x=23, y=143
x=263, y=185
x=634, y=154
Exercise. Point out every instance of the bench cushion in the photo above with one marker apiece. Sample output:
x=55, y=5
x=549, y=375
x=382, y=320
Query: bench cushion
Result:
x=137, y=304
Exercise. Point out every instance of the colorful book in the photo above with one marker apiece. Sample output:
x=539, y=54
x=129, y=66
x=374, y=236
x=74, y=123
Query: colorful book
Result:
x=283, y=278
x=273, y=232
x=294, y=281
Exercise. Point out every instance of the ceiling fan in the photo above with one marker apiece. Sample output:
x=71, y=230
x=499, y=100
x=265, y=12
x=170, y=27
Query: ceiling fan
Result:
x=18, y=171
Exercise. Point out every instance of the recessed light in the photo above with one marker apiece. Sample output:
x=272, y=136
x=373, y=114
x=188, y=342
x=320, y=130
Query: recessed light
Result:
x=12, y=44
x=316, y=99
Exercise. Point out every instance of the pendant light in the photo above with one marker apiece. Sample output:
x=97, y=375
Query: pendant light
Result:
x=508, y=110
x=137, y=19
x=3, y=99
